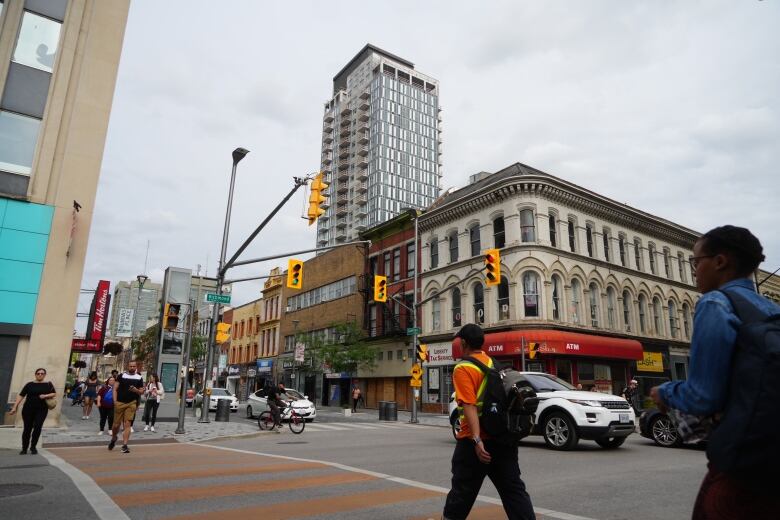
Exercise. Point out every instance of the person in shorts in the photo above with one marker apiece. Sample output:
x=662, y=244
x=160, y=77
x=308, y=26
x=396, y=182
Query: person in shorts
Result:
x=127, y=390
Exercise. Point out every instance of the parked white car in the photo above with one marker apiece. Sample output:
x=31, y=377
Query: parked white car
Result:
x=257, y=403
x=565, y=415
x=216, y=395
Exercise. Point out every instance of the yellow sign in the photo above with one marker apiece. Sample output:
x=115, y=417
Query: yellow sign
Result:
x=416, y=383
x=416, y=371
x=652, y=362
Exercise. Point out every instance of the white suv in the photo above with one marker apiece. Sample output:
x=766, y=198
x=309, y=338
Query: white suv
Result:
x=565, y=415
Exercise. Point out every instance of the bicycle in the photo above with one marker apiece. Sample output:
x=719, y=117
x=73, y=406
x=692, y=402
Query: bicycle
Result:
x=296, y=422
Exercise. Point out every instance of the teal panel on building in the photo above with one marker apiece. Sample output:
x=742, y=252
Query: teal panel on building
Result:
x=24, y=237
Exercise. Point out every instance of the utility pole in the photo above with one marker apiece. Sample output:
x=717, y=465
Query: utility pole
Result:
x=185, y=370
x=415, y=392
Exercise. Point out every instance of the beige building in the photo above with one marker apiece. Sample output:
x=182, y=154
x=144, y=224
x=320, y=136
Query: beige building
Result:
x=243, y=346
x=58, y=68
x=270, y=324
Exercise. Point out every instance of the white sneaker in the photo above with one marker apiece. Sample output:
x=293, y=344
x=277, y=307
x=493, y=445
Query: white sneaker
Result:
x=83, y=417
x=153, y=428
x=146, y=428
x=132, y=430
x=100, y=432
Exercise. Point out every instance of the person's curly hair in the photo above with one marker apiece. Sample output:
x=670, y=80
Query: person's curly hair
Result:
x=738, y=243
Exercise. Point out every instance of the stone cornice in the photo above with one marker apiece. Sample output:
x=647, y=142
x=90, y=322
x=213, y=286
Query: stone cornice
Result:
x=556, y=190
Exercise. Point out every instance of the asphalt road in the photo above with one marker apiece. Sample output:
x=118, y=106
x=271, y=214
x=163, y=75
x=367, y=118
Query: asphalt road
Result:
x=637, y=481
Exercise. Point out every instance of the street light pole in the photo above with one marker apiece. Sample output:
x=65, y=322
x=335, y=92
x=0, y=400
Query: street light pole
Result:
x=185, y=370
x=238, y=154
x=142, y=278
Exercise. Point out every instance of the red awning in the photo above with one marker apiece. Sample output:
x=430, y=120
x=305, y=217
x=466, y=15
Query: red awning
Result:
x=559, y=343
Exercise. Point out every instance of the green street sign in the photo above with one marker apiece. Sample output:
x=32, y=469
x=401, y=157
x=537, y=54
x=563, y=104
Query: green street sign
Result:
x=412, y=331
x=218, y=298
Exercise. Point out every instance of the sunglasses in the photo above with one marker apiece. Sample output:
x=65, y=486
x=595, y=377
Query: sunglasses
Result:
x=40, y=373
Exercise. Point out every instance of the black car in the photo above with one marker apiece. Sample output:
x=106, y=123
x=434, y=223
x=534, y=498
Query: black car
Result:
x=657, y=426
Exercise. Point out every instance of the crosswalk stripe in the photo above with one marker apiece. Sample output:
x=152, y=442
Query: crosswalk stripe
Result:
x=364, y=426
x=320, y=427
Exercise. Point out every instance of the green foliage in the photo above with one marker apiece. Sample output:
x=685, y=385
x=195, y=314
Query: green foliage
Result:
x=347, y=352
x=145, y=345
x=199, y=348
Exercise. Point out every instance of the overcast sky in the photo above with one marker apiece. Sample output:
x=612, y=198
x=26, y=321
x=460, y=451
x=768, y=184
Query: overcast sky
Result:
x=670, y=107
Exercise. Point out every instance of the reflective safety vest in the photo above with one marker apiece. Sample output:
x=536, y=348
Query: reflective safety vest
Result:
x=468, y=365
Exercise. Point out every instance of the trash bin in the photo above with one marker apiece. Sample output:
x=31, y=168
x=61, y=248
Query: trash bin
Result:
x=223, y=410
x=382, y=410
x=392, y=411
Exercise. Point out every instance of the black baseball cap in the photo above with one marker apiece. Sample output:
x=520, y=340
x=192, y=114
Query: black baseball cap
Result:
x=472, y=334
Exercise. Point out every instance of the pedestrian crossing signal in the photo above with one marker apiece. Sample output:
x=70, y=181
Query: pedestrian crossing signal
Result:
x=294, y=274
x=380, y=288
x=492, y=267
x=533, y=349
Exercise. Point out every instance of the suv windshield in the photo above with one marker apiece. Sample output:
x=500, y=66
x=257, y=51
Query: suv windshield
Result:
x=547, y=383
x=219, y=391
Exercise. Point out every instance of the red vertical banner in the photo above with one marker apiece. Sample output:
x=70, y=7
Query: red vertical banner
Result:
x=99, y=313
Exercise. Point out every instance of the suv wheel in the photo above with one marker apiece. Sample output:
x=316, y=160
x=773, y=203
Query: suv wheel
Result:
x=560, y=433
x=664, y=433
x=611, y=443
x=249, y=412
x=455, y=424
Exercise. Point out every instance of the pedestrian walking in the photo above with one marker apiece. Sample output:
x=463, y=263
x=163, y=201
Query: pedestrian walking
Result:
x=631, y=394
x=476, y=455
x=734, y=375
x=105, y=404
x=90, y=393
x=38, y=396
x=356, y=395
x=154, y=394
x=128, y=388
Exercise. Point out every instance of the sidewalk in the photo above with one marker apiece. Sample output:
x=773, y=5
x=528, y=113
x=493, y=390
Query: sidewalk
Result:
x=368, y=414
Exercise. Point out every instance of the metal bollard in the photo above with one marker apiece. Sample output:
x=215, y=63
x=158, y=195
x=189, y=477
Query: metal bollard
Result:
x=382, y=410
x=223, y=410
x=392, y=411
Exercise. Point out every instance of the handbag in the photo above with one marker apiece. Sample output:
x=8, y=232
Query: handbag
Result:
x=51, y=403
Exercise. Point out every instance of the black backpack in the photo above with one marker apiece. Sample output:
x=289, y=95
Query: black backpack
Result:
x=508, y=403
x=746, y=442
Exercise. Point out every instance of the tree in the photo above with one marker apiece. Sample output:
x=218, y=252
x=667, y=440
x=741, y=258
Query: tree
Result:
x=346, y=352
x=199, y=348
x=145, y=346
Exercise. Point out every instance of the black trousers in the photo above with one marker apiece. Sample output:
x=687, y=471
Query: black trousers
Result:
x=354, y=404
x=468, y=473
x=33, y=424
x=106, y=417
x=150, y=411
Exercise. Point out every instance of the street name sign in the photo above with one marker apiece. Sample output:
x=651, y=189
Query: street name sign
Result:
x=218, y=298
x=413, y=330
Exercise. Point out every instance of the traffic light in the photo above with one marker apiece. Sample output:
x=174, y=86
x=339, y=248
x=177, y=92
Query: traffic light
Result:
x=223, y=332
x=533, y=349
x=493, y=267
x=316, y=199
x=171, y=316
x=380, y=288
x=294, y=274
x=422, y=352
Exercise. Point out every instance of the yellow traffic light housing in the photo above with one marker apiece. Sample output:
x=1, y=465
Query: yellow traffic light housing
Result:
x=294, y=274
x=316, y=199
x=223, y=332
x=533, y=349
x=380, y=288
x=493, y=267
x=171, y=316
x=422, y=352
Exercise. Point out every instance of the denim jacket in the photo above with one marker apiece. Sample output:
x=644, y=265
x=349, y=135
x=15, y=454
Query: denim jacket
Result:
x=715, y=327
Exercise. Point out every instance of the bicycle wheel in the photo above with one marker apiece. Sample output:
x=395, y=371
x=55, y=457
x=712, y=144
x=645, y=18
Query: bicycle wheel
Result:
x=266, y=421
x=297, y=424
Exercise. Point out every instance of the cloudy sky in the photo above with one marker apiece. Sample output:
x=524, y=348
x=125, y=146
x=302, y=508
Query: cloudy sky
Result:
x=670, y=107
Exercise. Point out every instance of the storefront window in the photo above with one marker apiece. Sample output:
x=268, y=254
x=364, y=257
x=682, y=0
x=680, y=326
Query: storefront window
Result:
x=456, y=310
x=530, y=294
x=479, y=303
x=503, y=299
x=563, y=369
x=593, y=294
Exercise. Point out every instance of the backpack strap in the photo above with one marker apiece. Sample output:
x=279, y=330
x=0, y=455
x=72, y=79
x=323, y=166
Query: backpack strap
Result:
x=479, y=364
x=744, y=309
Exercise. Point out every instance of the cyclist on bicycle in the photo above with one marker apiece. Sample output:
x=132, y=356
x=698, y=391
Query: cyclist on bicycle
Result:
x=275, y=402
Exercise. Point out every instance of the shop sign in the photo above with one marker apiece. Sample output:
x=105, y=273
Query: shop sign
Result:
x=288, y=364
x=440, y=353
x=264, y=366
x=337, y=375
x=251, y=372
x=651, y=362
x=234, y=370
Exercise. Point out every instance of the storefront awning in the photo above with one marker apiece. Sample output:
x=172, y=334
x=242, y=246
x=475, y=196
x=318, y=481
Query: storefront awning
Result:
x=559, y=343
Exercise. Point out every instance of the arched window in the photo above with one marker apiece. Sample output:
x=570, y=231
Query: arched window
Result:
x=611, y=303
x=638, y=254
x=681, y=267
x=606, y=238
x=627, y=311
x=667, y=263
x=593, y=295
x=453, y=239
x=435, y=313
x=456, y=312
x=552, y=223
x=476, y=248
x=651, y=254
x=498, y=232
x=686, y=320
x=556, y=297
x=434, y=247
x=530, y=294
x=622, y=250
x=572, y=237
x=658, y=323
x=576, y=296
x=642, y=313
x=527, y=228
x=672, y=319
x=503, y=299
x=589, y=239
x=479, y=303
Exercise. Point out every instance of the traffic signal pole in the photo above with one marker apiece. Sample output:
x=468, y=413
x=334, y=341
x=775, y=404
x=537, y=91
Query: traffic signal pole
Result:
x=185, y=369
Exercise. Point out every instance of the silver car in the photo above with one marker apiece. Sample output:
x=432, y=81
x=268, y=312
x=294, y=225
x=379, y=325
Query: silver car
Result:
x=216, y=395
